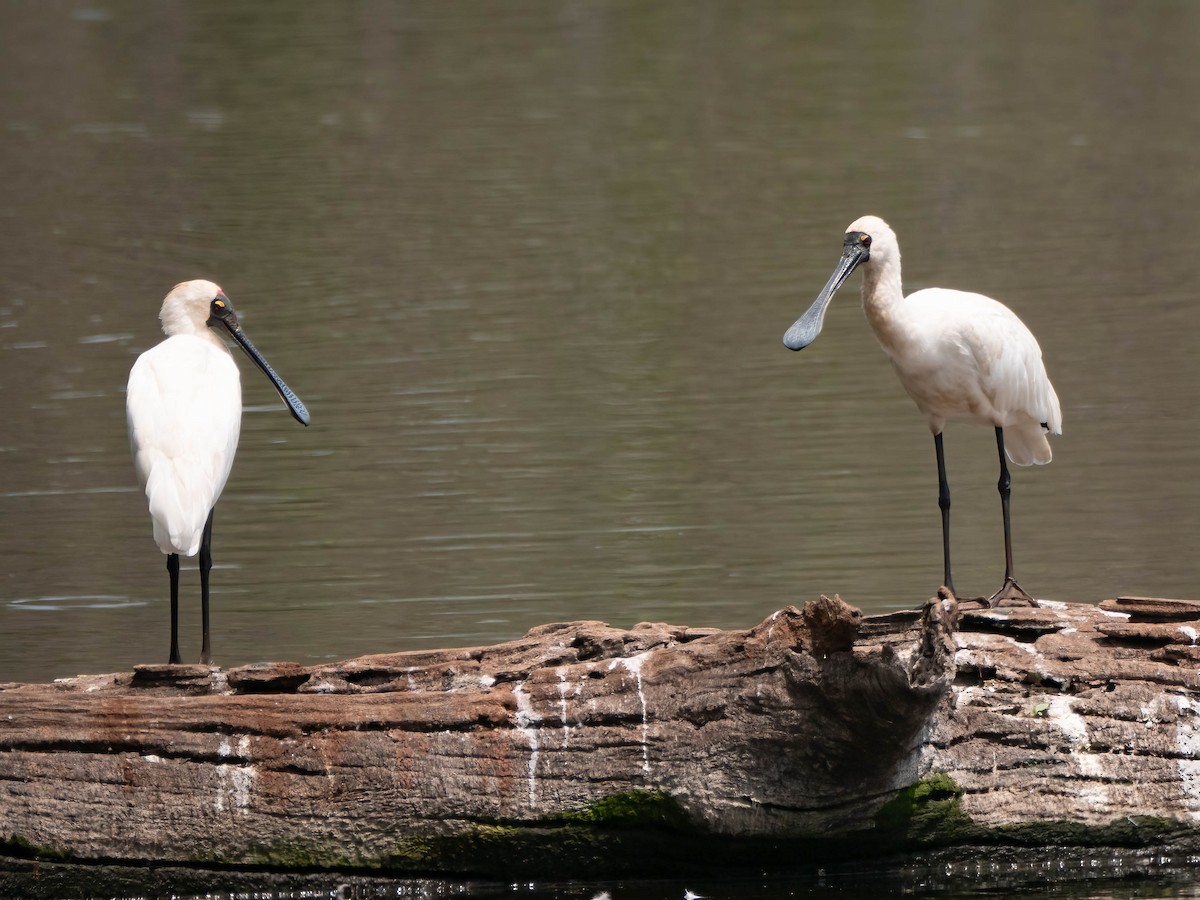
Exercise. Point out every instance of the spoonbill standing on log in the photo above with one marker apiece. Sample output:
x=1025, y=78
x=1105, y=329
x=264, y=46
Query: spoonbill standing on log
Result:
x=184, y=408
x=960, y=356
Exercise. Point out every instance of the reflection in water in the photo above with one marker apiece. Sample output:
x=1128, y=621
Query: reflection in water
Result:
x=529, y=269
x=54, y=604
x=1091, y=875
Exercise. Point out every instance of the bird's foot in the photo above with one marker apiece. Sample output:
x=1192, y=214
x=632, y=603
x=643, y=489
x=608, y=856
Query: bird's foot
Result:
x=962, y=604
x=1010, y=594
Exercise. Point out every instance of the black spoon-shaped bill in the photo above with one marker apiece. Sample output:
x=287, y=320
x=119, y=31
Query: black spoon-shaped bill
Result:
x=295, y=406
x=223, y=313
x=806, y=328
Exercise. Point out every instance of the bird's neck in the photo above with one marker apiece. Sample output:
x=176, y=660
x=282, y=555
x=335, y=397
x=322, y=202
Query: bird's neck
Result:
x=211, y=336
x=178, y=317
x=881, y=293
x=173, y=326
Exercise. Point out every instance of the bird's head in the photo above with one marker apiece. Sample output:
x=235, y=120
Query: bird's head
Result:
x=874, y=238
x=186, y=310
x=867, y=240
x=195, y=306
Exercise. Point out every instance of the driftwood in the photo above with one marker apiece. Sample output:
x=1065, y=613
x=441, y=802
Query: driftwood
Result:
x=582, y=748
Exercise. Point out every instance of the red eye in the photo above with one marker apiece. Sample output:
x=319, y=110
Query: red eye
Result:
x=866, y=239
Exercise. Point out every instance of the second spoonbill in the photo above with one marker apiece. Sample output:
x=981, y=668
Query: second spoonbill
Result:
x=960, y=356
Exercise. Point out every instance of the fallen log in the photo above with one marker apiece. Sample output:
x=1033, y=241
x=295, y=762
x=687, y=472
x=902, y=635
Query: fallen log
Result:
x=582, y=749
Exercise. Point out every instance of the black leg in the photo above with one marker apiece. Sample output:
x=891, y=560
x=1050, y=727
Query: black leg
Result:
x=944, y=506
x=1010, y=590
x=205, y=568
x=173, y=569
x=1004, y=485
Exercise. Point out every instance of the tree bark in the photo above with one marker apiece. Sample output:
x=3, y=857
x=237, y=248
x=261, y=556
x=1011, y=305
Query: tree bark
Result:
x=581, y=748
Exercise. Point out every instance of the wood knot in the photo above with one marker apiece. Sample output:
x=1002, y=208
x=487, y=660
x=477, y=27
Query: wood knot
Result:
x=832, y=625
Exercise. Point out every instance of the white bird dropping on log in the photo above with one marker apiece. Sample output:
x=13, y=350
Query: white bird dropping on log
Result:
x=184, y=410
x=960, y=356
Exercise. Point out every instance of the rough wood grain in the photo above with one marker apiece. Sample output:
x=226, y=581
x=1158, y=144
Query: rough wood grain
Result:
x=816, y=730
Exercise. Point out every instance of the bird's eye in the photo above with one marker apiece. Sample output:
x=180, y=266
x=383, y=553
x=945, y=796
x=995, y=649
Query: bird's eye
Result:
x=866, y=239
x=219, y=304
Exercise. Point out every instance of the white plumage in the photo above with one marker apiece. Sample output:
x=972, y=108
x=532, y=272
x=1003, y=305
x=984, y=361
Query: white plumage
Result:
x=184, y=410
x=961, y=356
x=184, y=407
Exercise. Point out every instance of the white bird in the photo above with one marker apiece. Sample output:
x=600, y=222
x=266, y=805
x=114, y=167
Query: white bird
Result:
x=960, y=356
x=184, y=409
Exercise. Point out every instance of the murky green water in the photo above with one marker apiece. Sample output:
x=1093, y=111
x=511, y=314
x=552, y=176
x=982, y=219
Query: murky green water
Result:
x=529, y=265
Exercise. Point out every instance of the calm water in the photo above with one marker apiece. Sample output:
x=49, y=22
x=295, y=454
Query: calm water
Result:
x=529, y=265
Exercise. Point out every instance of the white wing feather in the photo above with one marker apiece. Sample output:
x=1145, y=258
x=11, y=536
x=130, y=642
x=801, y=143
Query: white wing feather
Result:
x=967, y=356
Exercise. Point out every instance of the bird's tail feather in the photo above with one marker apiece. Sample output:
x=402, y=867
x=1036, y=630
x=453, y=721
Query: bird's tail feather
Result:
x=1026, y=445
x=178, y=525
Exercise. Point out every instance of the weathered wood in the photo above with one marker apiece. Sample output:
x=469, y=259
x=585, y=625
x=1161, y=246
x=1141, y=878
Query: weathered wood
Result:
x=816, y=729
x=1150, y=609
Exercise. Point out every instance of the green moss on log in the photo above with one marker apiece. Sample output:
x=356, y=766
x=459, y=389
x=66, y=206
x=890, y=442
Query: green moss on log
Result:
x=1128, y=831
x=930, y=814
x=630, y=825
x=19, y=846
x=646, y=832
x=930, y=806
x=630, y=809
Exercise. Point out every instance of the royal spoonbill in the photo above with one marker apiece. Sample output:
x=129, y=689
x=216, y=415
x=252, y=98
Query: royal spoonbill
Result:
x=960, y=356
x=184, y=409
